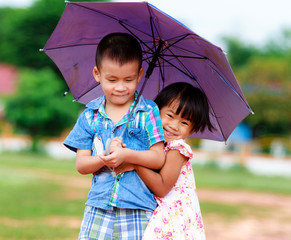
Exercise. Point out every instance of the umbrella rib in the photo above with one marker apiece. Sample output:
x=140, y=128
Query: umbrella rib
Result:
x=95, y=10
x=161, y=74
x=157, y=28
x=231, y=87
x=196, y=82
x=119, y=21
x=152, y=30
x=192, y=77
x=181, y=64
x=123, y=25
x=181, y=56
x=189, y=51
x=74, y=45
x=177, y=41
x=76, y=99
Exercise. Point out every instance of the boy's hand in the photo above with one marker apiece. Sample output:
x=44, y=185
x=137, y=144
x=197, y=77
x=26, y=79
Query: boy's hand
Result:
x=116, y=143
x=115, y=158
x=124, y=167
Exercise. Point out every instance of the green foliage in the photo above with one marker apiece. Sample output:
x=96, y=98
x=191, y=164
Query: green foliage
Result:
x=264, y=75
x=266, y=83
x=39, y=107
x=239, y=53
x=281, y=45
x=24, y=31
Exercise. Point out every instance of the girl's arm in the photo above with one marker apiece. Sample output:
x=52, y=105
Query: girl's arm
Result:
x=161, y=183
x=86, y=164
x=153, y=158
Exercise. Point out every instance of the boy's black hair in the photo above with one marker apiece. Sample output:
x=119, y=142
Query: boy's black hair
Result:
x=193, y=104
x=121, y=47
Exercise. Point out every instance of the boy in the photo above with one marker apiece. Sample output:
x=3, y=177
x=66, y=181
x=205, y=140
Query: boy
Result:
x=117, y=207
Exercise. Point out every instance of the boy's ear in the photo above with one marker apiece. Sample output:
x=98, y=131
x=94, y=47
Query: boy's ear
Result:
x=140, y=74
x=96, y=74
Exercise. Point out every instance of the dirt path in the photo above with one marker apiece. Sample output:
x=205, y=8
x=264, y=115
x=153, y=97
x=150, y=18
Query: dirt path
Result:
x=245, y=197
x=271, y=222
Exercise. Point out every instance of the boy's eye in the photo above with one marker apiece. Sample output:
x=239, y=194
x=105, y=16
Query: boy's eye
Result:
x=185, y=123
x=169, y=115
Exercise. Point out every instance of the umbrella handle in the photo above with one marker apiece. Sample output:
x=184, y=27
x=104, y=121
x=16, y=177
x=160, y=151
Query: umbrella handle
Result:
x=149, y=71
x=107, y=152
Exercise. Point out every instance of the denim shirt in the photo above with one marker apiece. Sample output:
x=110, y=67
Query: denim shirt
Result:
x=143, y=130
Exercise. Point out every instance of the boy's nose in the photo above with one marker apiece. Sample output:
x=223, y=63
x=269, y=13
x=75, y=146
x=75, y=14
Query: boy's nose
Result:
x=120, y=86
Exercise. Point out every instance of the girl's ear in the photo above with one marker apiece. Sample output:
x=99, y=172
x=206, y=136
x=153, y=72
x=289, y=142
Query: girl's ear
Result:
x=96, y=74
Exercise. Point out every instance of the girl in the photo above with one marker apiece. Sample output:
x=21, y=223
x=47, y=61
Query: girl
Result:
x=184, y=109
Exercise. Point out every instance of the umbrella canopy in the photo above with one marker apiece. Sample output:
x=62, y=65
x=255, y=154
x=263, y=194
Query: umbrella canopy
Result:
x=173, y=52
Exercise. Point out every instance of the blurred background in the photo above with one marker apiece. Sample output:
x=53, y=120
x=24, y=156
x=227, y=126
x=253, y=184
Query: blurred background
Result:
x=244, y=185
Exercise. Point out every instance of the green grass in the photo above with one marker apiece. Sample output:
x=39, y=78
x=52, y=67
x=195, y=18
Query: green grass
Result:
x=211, y=176
x=36, y=161
x=28, y=200
x=232, y=212
x=224, y=210
x=37, y=231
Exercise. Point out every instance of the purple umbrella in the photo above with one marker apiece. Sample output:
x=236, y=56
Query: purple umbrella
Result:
x=171, y=53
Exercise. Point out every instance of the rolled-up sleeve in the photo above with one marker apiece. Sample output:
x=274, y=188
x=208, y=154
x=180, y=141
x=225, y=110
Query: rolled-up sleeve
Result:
x=154, y=126
x=81, y=136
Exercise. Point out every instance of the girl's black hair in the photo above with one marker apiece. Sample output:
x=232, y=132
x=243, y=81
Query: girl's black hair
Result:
x=193, y=104
x=121, y=47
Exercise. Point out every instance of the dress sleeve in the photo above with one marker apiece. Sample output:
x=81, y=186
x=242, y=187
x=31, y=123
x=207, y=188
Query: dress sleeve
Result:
x=181, y=146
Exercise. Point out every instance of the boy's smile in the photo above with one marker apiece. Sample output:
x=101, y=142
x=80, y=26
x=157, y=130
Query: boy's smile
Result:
x=118, y=82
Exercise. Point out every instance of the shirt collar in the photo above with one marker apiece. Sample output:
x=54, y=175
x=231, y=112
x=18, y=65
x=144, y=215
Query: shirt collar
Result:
x=141, y=105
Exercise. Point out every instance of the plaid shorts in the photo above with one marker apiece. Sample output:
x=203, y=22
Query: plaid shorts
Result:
x=122, y=224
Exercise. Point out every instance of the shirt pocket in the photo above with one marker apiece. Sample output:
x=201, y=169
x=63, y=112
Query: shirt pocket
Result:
x=136, y=139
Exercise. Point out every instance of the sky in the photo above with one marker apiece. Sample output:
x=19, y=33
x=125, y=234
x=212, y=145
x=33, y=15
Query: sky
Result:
x=253, y=21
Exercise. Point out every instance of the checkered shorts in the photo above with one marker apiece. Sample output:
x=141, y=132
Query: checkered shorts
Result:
x=121, y=224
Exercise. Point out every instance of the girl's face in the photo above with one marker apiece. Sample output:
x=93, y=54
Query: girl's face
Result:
x=175, y=127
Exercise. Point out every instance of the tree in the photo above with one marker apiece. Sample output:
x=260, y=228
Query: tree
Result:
x=266, y=83
x=264, y=75
x=24, y=31
x=238, y=52
x=39, y=108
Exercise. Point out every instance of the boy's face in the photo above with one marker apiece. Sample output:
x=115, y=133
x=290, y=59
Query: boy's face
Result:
x=118, y=82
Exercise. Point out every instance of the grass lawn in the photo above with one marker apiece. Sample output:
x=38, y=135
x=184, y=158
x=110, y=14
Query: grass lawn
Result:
x=239, y=178
x=43, y=198
x=35, y=205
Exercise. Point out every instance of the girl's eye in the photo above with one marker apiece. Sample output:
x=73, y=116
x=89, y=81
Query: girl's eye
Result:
x=185, y=123
x=169, y=115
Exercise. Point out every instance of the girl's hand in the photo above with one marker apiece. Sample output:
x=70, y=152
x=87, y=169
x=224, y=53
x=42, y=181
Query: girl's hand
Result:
x=125, y=167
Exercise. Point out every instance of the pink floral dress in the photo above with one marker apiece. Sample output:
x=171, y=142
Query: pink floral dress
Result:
x=178, y=214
